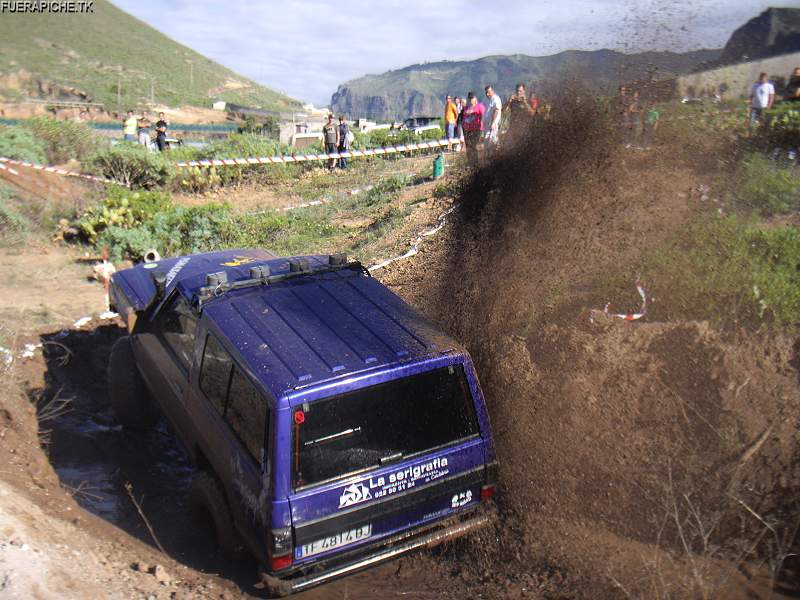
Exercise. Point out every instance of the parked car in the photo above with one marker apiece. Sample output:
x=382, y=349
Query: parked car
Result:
x=420, y=124
x=332, y=428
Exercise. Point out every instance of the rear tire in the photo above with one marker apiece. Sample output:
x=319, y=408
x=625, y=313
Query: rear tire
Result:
x=130, y=401
x=207, y=502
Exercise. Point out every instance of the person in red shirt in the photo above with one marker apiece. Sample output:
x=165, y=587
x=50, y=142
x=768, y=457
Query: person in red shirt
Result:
x=472, y=123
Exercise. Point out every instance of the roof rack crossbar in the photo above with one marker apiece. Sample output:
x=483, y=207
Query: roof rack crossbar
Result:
x=262, y=277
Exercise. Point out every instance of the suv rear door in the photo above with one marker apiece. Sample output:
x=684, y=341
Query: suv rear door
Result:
x=378, y=460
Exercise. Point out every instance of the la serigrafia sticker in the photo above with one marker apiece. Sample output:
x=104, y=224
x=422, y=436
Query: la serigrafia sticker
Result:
x=394, y=482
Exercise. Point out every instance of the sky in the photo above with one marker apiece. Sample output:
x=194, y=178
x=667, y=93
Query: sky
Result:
x=307, y=48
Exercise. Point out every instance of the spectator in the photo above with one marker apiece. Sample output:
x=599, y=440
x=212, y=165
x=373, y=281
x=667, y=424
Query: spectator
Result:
x=651, y=118
x=518, y=109
x=344, y=140
x=633, y=131
x=460, y=113
x=534, y=103
x=161, y=132
x=450, y=118
x=129, y=127
x=793, y=87
x=330, y=137
x=491, y=117
x=143, y=126
x=761, y=98
x=472, y=122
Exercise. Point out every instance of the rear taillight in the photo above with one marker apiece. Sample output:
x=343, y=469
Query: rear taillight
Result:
x=280, y=562
x=487, y=492
x=281, y=548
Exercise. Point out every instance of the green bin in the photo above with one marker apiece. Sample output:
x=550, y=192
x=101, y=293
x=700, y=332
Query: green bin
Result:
x=438, y=166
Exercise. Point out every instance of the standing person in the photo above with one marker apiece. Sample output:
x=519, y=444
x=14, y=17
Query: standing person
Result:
x=519, y=111
x=450, y=118
x=534, y=102
x=459, y=114
x=793, y=87
x=129, y=127
x=491, y=117
x=344, y=140
x=761, y=98
x=634, y=120
x=330, y=137
x=472, y=122
x=143, y=126
x=161, y=132
x=651, y=118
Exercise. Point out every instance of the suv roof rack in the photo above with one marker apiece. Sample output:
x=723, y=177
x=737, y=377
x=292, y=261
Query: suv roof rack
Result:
x=217, y=283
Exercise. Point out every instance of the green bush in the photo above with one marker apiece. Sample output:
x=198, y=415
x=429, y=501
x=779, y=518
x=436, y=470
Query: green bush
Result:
x=20, y=144
x=65, y=140
x=134, y=165
x=784, y=126
x=123, y=209
x=766, y=188
x=728, y=269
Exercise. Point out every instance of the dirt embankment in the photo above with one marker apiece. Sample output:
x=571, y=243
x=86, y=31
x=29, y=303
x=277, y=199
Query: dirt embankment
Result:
x=637, y=459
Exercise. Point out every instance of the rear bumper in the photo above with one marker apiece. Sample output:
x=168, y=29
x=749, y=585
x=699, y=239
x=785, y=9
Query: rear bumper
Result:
x=388, y=549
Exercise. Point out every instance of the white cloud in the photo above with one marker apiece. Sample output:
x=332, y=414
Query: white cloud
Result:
x=307, y=48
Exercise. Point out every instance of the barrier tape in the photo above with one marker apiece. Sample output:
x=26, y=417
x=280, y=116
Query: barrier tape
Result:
x=440, y=222
x=56, y=170
x=295, y=158
x=625, y=316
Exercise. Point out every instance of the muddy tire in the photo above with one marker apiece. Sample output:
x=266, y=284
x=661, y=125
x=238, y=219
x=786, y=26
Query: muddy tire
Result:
x=209, y=506
x=130, y=401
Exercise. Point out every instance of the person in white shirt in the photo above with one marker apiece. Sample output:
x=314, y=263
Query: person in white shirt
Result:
x=761, y=98
x=491, y=118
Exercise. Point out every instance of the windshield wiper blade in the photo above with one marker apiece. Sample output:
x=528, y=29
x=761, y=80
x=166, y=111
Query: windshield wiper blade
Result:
x=391, y=458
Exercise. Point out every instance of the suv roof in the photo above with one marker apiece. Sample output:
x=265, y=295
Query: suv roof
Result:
x=300, y=331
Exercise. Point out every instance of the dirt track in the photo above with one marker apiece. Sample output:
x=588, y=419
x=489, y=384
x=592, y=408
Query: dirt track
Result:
x=615, y=439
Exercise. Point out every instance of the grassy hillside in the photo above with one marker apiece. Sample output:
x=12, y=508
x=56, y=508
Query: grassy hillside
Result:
x=94, y=53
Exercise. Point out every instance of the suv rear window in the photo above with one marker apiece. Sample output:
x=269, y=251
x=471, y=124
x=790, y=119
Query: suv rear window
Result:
x=338, y=436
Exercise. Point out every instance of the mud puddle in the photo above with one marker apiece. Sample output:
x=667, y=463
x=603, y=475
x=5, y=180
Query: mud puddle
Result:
x=95, y=459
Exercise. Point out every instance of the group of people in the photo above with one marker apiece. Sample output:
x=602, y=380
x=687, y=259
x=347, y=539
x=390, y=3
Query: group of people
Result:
x=639, y=120
x=139, y=128
x=337, y=139
x=471, y=121
x=762, y=96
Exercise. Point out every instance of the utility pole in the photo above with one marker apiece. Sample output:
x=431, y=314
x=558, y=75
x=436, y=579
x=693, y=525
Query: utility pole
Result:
x=119, y=92
x=152, y=95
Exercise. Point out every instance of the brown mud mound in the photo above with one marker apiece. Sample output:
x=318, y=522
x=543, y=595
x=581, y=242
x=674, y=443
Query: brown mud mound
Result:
x=637, y=459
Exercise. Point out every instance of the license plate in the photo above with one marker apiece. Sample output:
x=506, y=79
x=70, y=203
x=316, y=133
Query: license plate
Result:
x=335, y=541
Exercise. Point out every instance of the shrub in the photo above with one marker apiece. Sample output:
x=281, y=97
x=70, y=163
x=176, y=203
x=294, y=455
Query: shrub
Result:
x=784, y=126
x=767, y=188
x=21, y=144
x=64, y=140
x=123, y=209
x=133, y=165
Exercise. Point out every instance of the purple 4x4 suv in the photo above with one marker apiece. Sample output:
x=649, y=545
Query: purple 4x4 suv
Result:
x=331, y=426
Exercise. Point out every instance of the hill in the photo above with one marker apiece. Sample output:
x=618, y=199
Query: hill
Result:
x=775, y=31
x=419, y=89
x=111, y=57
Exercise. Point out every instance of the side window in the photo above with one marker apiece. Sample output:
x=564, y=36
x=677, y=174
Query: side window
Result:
x=215, y=374
x=176, y=324
x=247, y=414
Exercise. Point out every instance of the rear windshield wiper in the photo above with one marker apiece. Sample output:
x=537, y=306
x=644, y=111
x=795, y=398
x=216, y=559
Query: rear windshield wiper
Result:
x=334, y=436
x=391, y=458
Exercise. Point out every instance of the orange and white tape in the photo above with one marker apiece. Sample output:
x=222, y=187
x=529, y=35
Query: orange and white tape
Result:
x=630, y=316
x=295, y=158
x=55, y=170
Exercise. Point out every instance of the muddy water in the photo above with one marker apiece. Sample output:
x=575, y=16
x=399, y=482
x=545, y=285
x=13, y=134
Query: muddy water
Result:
x=97, y=458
